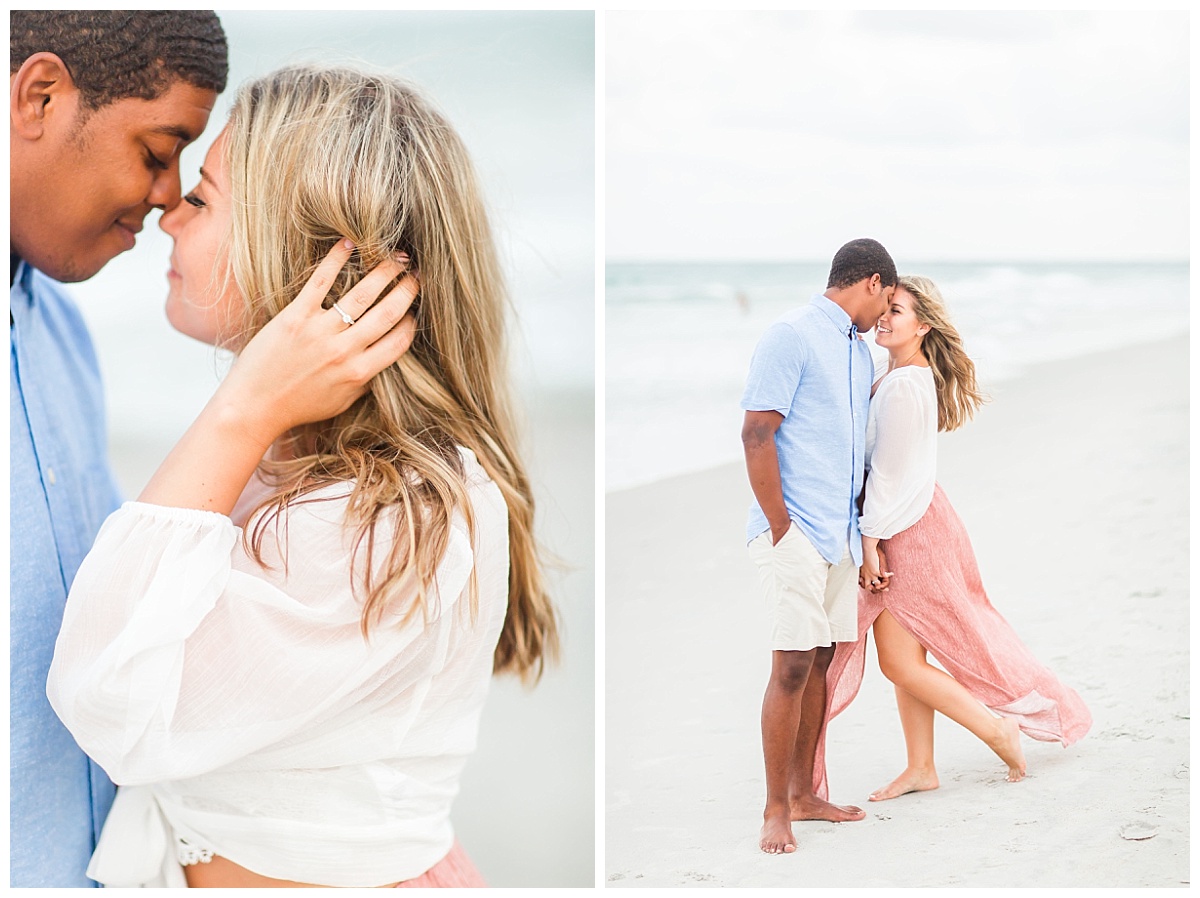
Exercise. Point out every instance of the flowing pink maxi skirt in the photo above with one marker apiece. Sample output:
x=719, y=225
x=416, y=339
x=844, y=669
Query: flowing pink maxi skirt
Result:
x=454, y=871
x=938, y=597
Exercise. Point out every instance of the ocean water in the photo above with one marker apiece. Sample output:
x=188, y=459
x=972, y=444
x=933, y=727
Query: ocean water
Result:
x=679, y=337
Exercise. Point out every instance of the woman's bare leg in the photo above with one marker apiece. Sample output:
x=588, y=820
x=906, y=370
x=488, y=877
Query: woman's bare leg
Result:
x=903, y=661
x=916, y=719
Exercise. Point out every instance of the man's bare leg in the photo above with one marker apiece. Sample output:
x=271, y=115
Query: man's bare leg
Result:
x=802, y=803
x=781, y=715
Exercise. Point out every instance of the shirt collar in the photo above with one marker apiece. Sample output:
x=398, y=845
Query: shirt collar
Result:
x=836, y=314
x=18, y=268
x=19, y=291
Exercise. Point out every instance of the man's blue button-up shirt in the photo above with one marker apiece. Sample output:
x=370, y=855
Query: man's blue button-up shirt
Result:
x=62, y=489
x=813, y=368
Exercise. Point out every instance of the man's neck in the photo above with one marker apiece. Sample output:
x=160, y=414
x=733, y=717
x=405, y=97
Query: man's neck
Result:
x=843, y=299
x=14, y=262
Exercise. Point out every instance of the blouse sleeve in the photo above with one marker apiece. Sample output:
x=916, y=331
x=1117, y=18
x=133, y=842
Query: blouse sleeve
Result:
x=178, y=654
x=903, y=468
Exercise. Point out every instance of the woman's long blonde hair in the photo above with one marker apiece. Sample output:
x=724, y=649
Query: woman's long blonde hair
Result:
x=320, y=153
x=953, y=371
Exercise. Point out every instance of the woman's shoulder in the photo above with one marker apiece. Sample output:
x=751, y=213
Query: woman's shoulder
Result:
x=486, y=497
x=328, y=503
x=321, y=522
x=318, y=536
x=912, y=377
x=910, y=383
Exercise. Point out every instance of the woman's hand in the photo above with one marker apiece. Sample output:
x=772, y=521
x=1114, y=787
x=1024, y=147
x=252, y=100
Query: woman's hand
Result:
x=885, y=576
x=307, y=364
x=873, y=573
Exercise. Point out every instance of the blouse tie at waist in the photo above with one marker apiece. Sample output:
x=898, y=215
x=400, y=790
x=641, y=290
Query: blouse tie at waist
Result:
x=135, y=848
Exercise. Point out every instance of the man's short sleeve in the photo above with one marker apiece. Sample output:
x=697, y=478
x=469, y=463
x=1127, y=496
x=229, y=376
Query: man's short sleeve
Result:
x=775, y=371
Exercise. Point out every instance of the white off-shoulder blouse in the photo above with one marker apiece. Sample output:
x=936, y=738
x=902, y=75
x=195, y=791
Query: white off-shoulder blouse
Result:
x=242, y=712
x=901, y=451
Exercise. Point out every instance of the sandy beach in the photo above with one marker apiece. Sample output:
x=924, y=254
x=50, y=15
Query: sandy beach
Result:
x=1073, y=484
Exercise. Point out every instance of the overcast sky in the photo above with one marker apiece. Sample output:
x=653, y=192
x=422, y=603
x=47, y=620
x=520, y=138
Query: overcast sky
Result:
x=946, y=135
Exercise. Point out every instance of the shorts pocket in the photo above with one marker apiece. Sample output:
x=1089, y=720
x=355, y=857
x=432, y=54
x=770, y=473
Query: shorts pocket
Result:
x=791, y=533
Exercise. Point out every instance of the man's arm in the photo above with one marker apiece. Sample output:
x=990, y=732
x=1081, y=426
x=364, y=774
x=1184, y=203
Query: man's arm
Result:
x=762, y=465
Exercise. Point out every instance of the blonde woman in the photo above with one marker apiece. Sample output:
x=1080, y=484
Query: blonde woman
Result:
x=920, y=590
x=280, y=652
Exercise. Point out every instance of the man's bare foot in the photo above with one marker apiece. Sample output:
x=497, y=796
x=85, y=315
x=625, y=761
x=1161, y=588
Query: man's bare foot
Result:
x=1007, y=744
x=913, y=779
x=812, y=808
x=776, y=836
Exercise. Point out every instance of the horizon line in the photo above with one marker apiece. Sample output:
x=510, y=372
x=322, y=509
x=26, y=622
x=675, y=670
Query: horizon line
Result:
x=924, y=261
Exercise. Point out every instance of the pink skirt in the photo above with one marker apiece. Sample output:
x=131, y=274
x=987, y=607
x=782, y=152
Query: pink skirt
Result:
x=454, y=871
x=938, y=597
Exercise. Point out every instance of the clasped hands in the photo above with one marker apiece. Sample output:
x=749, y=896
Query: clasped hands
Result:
x=873, y=574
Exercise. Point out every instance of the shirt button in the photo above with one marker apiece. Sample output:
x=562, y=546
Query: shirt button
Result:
x=50, y=476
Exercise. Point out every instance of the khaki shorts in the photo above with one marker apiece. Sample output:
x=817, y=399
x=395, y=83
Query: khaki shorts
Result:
x=810, y=602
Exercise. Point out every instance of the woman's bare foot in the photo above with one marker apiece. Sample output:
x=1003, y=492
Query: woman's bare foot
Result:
x=812, y=808
x=913, y=779
x=1007, y=744
x=776, y=836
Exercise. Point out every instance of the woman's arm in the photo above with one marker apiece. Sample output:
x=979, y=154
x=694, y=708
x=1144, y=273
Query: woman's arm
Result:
x=903, y=461
x=900, y=482
x=178, y=654
x=305, y=365
x=873, y=574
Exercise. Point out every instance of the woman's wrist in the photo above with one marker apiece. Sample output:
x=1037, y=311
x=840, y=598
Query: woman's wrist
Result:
x=214, y=460
x=250, y=421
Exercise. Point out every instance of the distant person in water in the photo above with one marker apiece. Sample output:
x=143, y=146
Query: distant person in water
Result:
x=804, y=436
x=920, y=586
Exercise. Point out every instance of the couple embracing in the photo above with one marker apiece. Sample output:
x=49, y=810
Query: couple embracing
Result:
x=281, y=650
x=850, y=532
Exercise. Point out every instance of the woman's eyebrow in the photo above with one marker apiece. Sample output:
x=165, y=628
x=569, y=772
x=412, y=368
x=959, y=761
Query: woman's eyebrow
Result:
x=205, y=176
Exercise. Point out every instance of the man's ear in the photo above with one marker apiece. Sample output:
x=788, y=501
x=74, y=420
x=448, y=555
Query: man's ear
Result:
x=41, y=90
x=875, y=285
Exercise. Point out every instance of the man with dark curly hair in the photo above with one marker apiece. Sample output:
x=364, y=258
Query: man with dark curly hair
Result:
x=804, y=436
x=101, y=104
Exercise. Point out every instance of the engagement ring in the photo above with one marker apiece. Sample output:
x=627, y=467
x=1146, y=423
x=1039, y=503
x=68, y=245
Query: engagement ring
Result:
x=346, y=318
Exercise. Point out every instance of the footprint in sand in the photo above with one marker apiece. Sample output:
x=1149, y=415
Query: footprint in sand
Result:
x=1136, y=832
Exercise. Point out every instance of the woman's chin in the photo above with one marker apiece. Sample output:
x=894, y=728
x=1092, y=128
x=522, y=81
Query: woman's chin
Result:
x=189, y=329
